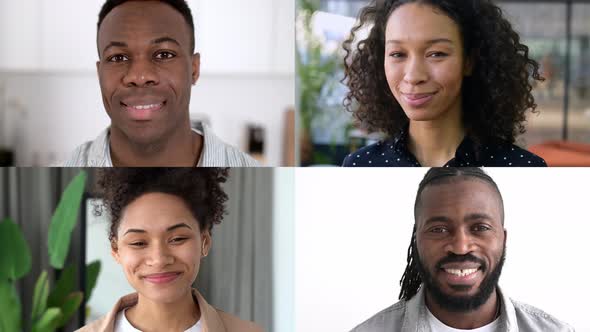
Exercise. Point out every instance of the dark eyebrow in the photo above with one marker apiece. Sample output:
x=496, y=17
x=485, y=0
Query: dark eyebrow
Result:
x=114, y=44
x=165, y=39
x=169, y=229
x=429, y=42
x=477, y=216
x=155, y=41
x=434, y=219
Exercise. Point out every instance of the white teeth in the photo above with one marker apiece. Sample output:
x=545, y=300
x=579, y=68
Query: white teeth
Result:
x=145, y=107
x=461, y=273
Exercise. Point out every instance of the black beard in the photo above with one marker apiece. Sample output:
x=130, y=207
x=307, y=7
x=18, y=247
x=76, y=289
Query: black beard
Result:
x=461, y=303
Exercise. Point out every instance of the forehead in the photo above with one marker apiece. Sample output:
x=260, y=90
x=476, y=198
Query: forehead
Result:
x=414, y=22
x=155, y=212
x=143, y=21
x=458, y=198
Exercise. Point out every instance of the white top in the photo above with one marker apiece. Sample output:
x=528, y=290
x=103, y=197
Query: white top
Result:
x=438, y=326
x=123, y=325
x=215, y=152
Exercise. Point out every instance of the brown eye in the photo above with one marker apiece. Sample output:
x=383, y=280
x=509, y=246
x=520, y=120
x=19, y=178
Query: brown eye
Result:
x=118, y=58
x=165, y=55
x=178, y=240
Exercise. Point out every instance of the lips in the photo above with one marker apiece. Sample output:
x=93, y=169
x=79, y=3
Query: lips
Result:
x=417, y=99
x=140, y=110
x=162, y=278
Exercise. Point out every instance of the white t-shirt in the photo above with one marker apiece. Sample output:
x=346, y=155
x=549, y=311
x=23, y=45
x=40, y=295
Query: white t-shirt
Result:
x=438, y=326
x=123, y=325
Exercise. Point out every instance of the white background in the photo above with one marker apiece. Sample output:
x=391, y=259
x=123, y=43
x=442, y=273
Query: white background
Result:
x=353, y=229
x=49, y=87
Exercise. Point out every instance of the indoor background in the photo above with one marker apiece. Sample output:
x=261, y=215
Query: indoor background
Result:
x=50, y=99
x=556, y=31
x=249, y=271
x=354, y=230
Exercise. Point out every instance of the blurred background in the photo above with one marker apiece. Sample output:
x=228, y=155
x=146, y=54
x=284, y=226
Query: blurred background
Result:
x=249, y=271
x=50, y=99
x=557, y=33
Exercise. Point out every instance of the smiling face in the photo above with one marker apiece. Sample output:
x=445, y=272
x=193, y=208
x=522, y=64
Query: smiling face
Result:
x=460, y=242
x=146, y=70
x=424, y=62
x=159, y=245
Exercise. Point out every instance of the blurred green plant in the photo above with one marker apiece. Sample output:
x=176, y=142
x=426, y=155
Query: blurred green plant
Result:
x=52, y=308
x=315, y=69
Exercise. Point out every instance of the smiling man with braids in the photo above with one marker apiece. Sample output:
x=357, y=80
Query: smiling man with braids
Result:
x=455, y=260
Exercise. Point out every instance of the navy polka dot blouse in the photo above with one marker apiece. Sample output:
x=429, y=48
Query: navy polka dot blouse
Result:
x=394, y=152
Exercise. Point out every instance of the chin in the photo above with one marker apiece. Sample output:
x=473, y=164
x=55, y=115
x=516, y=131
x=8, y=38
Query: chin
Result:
x=168, y=294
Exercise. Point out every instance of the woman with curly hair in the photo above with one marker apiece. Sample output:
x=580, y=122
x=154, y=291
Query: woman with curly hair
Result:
x=448, y=82
x=161, y=222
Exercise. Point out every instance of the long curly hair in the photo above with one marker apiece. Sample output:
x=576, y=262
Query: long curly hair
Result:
x=496, y=96
x=200, y=189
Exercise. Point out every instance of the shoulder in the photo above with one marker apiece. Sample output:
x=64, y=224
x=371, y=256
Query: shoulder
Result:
x=535, y=318
x=235, y=324
x=388, y=319
x=94, y=326
x=217, y=153
x=92, y=153
x=382, y=153
x=506, y=154
x=79, y=157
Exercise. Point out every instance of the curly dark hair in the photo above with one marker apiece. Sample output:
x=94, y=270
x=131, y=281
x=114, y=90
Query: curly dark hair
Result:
x=199, y=188
x=496, y=96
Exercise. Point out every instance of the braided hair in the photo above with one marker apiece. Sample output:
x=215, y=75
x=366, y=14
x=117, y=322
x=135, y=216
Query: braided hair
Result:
x=411, y=279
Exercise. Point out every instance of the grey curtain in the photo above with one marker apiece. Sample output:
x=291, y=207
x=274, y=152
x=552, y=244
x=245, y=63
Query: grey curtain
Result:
x=29, y=196
x=237, y=275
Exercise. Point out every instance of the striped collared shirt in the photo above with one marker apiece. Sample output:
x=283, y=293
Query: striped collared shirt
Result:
x=215, y=152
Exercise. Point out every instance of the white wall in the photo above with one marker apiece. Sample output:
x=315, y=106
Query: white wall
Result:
x=284, y=250
x=353, y=228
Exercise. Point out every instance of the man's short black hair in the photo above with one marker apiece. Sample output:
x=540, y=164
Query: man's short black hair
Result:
x=180, y=5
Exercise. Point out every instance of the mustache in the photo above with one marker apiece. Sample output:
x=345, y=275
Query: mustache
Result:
x=453, y=258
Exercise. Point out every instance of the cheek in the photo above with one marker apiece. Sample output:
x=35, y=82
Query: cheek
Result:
x=449, y=75
x=394, y=75
x=130, y=261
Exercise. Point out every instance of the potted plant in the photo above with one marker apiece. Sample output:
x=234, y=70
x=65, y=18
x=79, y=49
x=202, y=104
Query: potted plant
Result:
x=53, y=306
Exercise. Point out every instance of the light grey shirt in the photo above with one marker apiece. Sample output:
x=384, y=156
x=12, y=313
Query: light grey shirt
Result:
x=411, y=316
x=215, y=152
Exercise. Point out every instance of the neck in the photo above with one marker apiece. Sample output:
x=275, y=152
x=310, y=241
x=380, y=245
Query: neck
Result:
x=182, y=148
x=148, y=315
x=483, y=315
x=435, y=142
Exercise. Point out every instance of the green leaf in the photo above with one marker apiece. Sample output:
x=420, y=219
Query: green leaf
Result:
x=64, y=220
x=68, y=309
x=40, y=296
x=9, y=307
x=92, y=271
x=47, y=322
x=15, y=260
x=64, y=286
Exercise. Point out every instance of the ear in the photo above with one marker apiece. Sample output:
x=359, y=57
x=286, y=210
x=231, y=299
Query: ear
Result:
x=196, y=67
x=97, y=66
x=205, y=243
x=115, y=253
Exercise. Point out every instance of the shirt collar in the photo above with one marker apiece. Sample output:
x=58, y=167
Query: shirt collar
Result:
x=415, y=318
x=100, y=152
x=465, y=155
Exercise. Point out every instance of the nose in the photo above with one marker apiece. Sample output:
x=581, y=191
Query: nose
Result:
x=416, y=71
x=460, y=243
x=141, y=73
x=159, y=256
